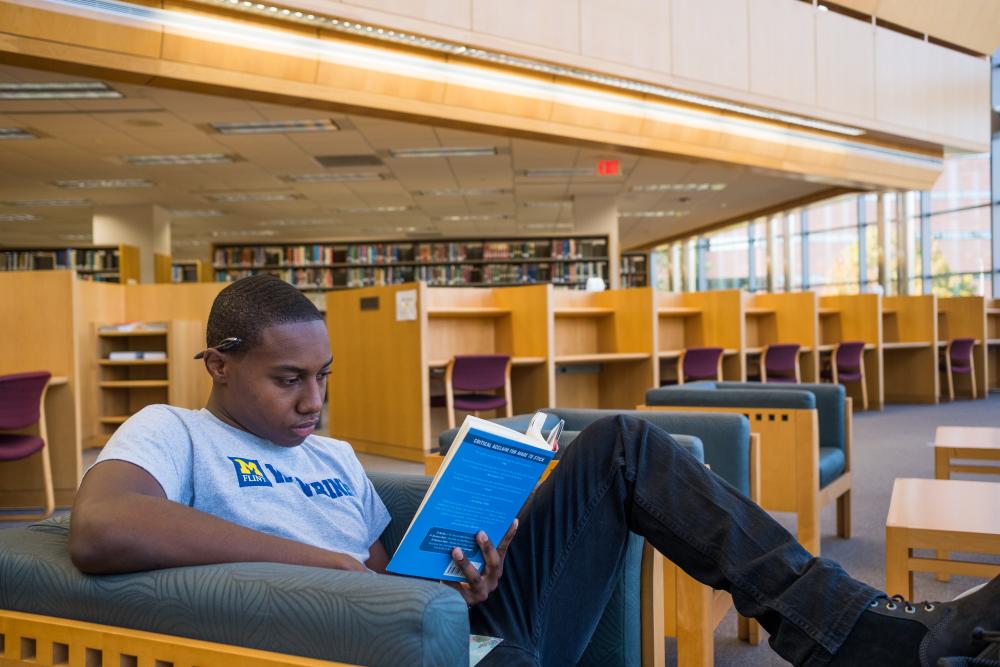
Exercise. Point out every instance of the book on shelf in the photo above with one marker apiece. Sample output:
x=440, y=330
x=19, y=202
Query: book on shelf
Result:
x=126, y=327
x=484, y=480
x=132, y=355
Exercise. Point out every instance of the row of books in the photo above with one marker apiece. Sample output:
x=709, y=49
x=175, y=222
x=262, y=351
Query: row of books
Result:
x=69, y=258
x=184, y=273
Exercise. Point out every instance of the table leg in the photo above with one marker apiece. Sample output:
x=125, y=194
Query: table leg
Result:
x=942, y=470
x=898, y=577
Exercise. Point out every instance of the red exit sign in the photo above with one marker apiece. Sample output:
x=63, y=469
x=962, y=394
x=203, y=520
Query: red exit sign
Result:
x=608, y=167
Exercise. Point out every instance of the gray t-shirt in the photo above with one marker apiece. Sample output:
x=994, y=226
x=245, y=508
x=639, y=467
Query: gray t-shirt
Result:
x=316, y=493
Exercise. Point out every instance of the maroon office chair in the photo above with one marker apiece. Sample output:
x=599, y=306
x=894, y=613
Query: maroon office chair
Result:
x=780, y=363
x=477, y=374
x=958, y=361
x=848, y=365
x=22, y=403
x=700, y=363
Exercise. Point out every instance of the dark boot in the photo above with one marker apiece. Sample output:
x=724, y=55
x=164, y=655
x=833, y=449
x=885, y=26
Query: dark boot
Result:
x=893, y=631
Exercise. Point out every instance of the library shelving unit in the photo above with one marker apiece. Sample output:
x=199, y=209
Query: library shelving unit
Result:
x=391, y=343
x=189, y=271
x=603, y=347
x=966, y=317
x=909, y=349
x=855, y=317
x=126, y=386
x=113, y=264
x=699, y=319
x=634, y=269
x=321, y=267
x=789, y=317
x=993, y=344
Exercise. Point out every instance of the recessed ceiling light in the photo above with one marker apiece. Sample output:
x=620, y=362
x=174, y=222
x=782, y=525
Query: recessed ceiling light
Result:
x=183, y=159
x=374, y=209
x=15, y=133
x=558, y=172
x=550, y=203
x=244, y=232
x=463, y=192
x=678, y=187
x=18, y=217
x=334, y=177
x=653, y=214
x=276, y=127
x=469, y=218
x=94, y=183
x=66, y=90
x=235, y=197
x=548, y=225
x=31, y=203
x=75, y=237
x=196, y=213
x=454, y=151
x=298, y=222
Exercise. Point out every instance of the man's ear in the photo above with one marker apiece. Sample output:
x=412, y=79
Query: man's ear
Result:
x=216, y=366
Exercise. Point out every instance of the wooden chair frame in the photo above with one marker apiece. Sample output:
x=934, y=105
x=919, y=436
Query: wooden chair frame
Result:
x=680, y=367
x=951, y=376
x=449, y=391
x=861, y=368
x=50, y=501
x=763, y=366
x=789, y=442
x=32, y=639
x=672, y=603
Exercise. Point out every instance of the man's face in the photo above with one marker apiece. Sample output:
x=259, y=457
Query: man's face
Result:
x=276, y=389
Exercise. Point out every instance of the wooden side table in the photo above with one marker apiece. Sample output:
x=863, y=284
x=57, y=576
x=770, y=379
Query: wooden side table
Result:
x=974, y=443
x=941, y=515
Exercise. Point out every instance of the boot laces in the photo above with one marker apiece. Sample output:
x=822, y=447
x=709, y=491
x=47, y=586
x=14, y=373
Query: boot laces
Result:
x=896, y=601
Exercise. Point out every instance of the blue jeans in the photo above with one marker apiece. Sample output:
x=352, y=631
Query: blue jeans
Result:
x=623, y=474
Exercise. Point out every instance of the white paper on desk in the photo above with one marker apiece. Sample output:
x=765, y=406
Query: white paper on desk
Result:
x=406, y=305
x=479, y=646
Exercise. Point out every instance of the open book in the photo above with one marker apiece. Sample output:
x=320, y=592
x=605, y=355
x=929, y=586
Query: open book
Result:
x=485, y=479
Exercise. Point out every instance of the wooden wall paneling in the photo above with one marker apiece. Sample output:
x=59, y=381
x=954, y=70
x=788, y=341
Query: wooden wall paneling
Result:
x=530, y=328
x=707, y=48
x=163, y=268
x=578, y=386
x=783, y=50
x=129, y=264
x=342, y=74
x=965, y=317
x=911, y=366
x=378, y=388
x=845, y=78
x=186, y=374
x=624, y=383
x=41, y=304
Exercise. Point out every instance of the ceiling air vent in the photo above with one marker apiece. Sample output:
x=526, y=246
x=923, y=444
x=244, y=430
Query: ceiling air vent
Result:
x=348, y=160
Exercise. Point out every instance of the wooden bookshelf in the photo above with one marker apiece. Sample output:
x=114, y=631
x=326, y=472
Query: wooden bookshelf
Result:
x=320, y=267
x=126, y=386
x=190, y=271
x=113, y=264
x=634, y=271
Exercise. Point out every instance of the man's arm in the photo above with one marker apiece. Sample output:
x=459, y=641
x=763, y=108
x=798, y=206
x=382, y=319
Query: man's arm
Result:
x=123, y=522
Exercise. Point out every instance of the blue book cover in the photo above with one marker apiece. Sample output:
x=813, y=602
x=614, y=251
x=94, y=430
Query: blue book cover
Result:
x=485, y=479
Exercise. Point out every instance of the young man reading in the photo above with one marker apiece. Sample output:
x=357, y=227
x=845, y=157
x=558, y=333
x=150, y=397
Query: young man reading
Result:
x=163, y=494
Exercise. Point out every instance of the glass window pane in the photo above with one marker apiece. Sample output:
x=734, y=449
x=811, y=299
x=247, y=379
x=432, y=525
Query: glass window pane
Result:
x=833, y=245
x=964, y=182
x=727, y=261
x=960, y=241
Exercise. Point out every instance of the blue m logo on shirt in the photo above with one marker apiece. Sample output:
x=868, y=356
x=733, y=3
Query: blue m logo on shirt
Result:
x=249, y=472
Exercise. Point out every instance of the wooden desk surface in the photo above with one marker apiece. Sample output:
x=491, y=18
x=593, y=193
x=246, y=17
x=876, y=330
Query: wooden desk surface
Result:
x=58, y=380
x=467, y=312
x=907, y=345
x=583, y=311
x=949, y=505
x=599, y=357
x=515, y=361
x=967, y=437
x=677, y=311
x=944, y=343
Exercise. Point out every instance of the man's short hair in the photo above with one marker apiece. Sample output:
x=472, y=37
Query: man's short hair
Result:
x=248, y=306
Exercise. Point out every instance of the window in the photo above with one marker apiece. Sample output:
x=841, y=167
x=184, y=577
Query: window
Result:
x=727, y=258
x=833, y=246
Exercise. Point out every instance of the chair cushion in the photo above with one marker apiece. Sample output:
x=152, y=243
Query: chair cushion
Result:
x=732, y=395
x=14, y=447
x=831, y=464
x=479, y=401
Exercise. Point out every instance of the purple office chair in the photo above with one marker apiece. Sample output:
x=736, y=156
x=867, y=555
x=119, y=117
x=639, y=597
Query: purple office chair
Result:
x=477, y=374
x=22, y=397
x=958, y=360
x=700, y=363
x=780, y=363
x=848, y=365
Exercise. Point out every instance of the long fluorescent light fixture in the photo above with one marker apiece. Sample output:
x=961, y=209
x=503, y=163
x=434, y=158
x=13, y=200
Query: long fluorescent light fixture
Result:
x=559, y=172
x=76, y=237
x=244, y=232
x=238, y=197
x=463, y=192
x=454, y=151
x=196, y=213
x=298, y=222
x=276, y=127
x=178, y=160
x=531, y=65
x=33, y=203
x=653, y=214
x=66, y=90
x=334, y=177
x=16, y=133
x=473, y=218
x=679, y=187
x=18, y=217
x=110, y=183
x=542, y=203
x=374, y=209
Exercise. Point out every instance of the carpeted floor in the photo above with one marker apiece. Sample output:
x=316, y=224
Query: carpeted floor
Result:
x=889, y=444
